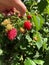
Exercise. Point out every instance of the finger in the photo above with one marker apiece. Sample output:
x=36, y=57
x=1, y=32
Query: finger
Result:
x=2, y=7
x=20, y=7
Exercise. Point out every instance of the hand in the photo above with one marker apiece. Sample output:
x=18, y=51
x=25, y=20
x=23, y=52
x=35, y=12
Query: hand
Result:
x=8, y=4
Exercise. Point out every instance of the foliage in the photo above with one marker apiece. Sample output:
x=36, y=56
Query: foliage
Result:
x=29, y=47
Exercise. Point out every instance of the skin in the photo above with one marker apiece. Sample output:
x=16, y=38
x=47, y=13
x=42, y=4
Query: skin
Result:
x=8, y=4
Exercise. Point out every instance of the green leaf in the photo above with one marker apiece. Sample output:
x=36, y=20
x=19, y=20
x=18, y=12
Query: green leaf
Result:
x=1, y=51
x=37, y=55
x=39, y=44
x=41, y=20
x=48, y=1
x=28, y=38
x=28, y=61
x=39, y=41
x=45, y=44
x=38, y=20
x=41, y=62
x=47, y=9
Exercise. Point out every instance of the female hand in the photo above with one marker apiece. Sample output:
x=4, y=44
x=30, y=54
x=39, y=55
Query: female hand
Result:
x=8, y=4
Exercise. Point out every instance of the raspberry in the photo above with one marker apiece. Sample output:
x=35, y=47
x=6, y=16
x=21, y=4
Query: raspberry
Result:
x=29, y=17
x=12, y=34
x=27, y=25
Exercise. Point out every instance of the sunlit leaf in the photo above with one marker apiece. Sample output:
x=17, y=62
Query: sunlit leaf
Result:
x=28, y=61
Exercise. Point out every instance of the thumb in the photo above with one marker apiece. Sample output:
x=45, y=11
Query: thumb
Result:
x=20, y=7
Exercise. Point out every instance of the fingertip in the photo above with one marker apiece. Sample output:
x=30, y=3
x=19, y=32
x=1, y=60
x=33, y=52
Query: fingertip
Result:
x=20, y=7
x=23, y=11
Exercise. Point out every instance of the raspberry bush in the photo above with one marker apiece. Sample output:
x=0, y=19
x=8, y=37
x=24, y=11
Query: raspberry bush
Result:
x=24, y=41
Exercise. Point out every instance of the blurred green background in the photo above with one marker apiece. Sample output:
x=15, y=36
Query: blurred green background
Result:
x=47, y=59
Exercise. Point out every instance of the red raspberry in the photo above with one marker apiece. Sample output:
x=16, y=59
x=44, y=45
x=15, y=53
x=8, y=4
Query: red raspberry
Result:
x=29, y=16
x=27, y=25
x=12, y=34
